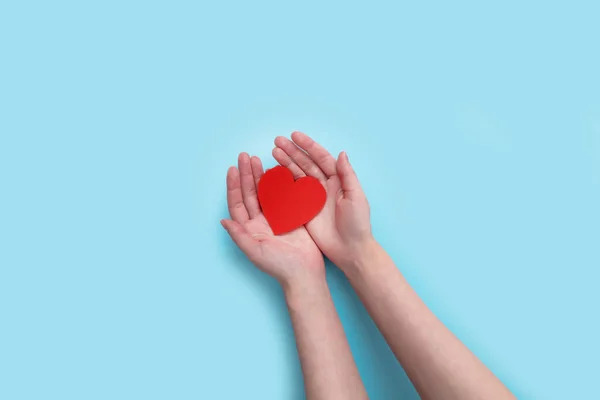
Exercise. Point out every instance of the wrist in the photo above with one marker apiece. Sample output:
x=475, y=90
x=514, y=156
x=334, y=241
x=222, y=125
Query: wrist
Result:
x=365, y=255
x=307, y=286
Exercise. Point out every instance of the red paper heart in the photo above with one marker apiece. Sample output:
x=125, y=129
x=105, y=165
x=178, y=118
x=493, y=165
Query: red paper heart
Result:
x=286, y=204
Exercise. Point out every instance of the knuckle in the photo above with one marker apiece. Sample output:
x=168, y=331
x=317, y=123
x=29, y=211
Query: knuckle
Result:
x=306, y=165
x=315, y=171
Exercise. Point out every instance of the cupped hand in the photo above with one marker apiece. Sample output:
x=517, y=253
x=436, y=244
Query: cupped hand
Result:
x=343, y=228
x=288, y=257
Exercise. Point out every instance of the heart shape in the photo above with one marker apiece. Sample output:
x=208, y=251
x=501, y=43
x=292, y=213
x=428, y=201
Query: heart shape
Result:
x=289, y=204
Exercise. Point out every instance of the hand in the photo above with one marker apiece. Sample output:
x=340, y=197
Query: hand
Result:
x=342, y=230
x=288, y=257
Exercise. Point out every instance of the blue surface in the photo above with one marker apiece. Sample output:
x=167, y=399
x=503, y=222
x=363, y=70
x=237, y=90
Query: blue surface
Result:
x=475, y=129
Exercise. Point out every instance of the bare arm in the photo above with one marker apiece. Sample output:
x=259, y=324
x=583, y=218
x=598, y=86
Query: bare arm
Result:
x=437, y=363
x=297, y=263
x=327, y=364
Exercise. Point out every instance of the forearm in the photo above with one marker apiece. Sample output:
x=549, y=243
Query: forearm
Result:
x=438, y=364
x=327, y=363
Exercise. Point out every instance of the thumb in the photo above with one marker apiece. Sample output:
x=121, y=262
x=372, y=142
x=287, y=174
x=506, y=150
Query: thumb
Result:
x=348, y=178
x=240, y=236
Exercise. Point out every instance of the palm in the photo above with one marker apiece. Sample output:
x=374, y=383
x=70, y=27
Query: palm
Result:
x=345, y=216
x=323, y=228
x=281, y=256
x=295, y=247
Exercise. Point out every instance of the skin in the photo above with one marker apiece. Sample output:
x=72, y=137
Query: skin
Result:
x=437, y=363
x=297, y=263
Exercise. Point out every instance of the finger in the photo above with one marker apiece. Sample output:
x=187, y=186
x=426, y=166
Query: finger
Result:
x=348, y=178
x=241, y=237
x=317, y=153
x=248, y=185
x=235, y=201
x=299, y=157
x=257, y=169
x=285, y=160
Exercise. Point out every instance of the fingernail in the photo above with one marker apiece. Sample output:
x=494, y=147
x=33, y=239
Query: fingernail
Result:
x=223, y=224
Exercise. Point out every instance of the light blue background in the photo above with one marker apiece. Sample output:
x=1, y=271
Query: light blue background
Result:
x=475, y=129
